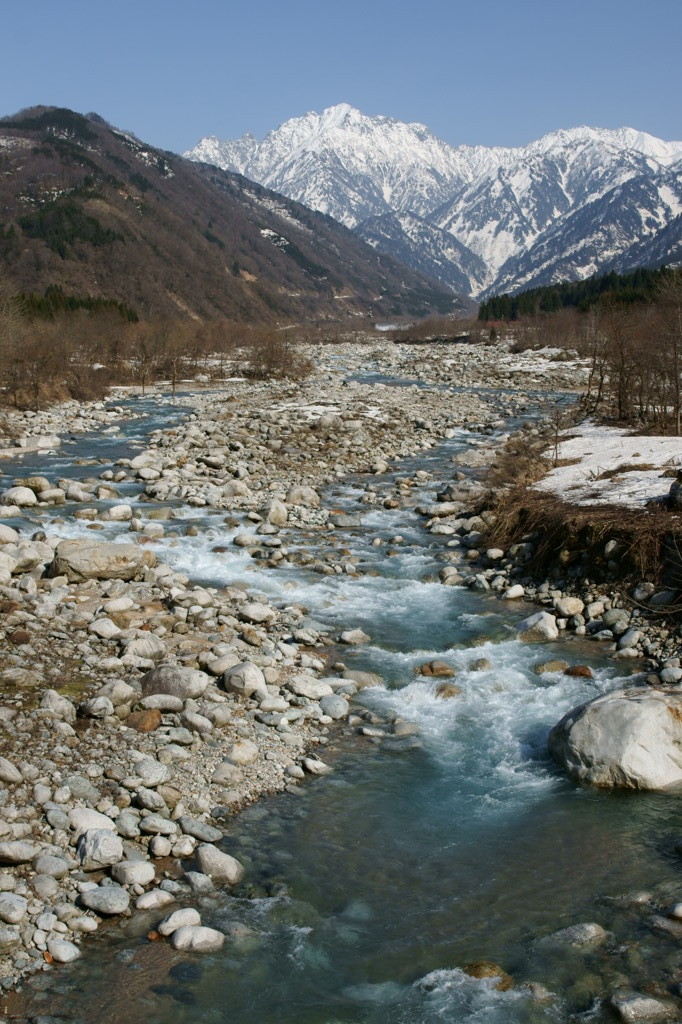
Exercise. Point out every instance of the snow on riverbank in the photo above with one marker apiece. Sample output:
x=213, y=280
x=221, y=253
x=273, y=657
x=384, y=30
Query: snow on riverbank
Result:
x=609, y=465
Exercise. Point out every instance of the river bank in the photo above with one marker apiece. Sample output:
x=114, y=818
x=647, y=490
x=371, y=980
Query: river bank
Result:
x=219, y=734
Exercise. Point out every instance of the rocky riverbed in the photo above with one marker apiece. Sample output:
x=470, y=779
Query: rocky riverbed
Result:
x=141, y=708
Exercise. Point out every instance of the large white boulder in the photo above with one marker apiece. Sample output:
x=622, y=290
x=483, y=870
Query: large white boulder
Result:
x=21, y=496
x=626, y=738
x=302, y=495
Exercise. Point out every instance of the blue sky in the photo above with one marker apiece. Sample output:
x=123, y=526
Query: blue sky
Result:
x=495, y=72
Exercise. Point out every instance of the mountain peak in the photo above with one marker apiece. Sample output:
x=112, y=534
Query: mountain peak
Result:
x=494, y=203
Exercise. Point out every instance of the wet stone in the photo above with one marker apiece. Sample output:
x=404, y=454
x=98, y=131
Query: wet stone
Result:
x=199, y=829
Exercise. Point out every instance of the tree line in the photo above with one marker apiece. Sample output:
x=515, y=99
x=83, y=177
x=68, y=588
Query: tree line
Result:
x=639, y=285
x=631, y=335
x=56, y=346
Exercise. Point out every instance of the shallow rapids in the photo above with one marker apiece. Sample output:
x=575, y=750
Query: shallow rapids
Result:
x=371, y=889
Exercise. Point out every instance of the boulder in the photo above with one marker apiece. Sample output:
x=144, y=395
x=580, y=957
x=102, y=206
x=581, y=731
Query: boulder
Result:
x=335, y=706
x=568, y=606
x=537, y=628
x=197, y=939
x=85, y=559
x=246, y=680
x=9, y=772
x=152, y=772
x=199, y=829
x=184, y=918
x=301, y=495
x=99, y=848
x=308, y=686
x=62, y=951
x=354, y=636
x=12, y=907
x=437, y=669
x=633, y=1007
x=578, y=936
x=117, y=514
x=106, y=900
x=185, y=683
x=60, y=707
x=243, y=752
x=222, y=663
x=256, y=612
x=627, y=738
x=219, y=866
x=133, y=872
x=22, y=497
x=83, y=818
x=275, y=512
x=148, y=647
x=17, y=851
x=144, y=721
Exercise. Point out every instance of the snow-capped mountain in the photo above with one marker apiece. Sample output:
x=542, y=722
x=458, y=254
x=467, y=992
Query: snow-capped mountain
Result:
x=477, y=218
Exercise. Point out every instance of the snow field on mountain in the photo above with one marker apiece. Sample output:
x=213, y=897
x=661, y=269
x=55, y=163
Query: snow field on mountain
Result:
x=511, y=209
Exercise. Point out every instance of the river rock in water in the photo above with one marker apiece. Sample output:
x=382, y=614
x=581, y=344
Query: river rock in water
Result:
x=627, y=738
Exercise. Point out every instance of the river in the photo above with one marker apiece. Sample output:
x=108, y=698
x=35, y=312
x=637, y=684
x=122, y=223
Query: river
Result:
x=367, y=891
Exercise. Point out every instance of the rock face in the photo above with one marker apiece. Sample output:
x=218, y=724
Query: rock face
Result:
x=80, y=560
x=628, y=738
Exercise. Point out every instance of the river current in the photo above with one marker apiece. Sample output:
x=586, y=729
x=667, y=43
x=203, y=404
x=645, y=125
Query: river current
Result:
x=369, y=890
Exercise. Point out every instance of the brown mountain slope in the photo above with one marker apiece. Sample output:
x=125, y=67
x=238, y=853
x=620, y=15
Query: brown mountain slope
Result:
x=95, y=211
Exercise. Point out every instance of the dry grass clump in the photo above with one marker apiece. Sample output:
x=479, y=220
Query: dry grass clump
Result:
x=565, y=535
x=625, y=467
x=521, y=463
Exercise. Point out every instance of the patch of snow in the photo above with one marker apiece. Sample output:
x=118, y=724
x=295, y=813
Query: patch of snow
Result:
x=593, y=450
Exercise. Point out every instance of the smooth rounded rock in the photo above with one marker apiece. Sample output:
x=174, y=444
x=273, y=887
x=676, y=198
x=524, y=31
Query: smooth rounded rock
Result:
x=627, y=738
x=185, y=683
x=334, y=706
x=9, y=773
x=245, y=680
x=186, y=916
x=85, y=559
x=197, y=939
x=133, y=872
x=243, y=752
x=538, y=628
x=106, y=900
x=219, y=866
x=13, y=907
x=62, y=951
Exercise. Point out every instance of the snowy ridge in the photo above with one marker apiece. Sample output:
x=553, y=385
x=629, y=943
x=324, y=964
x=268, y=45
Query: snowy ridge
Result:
x=477, y=217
